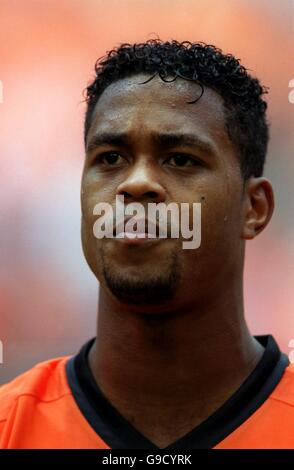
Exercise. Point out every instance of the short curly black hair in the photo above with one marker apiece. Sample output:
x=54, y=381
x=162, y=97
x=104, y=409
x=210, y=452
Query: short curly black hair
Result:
x=206, y=65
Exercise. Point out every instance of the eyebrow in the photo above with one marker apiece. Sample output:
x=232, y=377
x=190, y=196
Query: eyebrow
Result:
x=162, y=140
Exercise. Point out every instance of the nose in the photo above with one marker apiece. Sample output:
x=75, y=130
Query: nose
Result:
x=142, y=183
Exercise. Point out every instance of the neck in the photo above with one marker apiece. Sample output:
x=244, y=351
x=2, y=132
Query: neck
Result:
x=194, y=358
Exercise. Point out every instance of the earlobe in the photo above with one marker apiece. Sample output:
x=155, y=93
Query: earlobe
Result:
x=258, y=206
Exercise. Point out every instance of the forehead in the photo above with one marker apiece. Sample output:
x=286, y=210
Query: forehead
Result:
x=130, y=106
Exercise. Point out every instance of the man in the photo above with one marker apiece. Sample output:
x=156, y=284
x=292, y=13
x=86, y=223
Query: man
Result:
x=173, y=364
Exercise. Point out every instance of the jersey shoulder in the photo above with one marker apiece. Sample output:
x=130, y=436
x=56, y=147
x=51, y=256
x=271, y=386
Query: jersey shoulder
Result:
x=271, y=425
x=45, y=382
x=284, y=391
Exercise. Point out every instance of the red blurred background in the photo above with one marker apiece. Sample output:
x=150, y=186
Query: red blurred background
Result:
x=48, y=295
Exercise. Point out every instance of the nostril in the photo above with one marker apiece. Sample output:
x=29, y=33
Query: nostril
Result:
x=125, y=194
x=151, y=194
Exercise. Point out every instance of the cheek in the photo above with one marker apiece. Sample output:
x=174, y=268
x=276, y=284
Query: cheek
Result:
x=88, y=218
x=221, y=214
x=96, y=190
x=87, y=214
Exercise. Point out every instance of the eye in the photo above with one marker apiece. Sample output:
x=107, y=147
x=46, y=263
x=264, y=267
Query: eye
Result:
x=182, y=160
x=110, y=158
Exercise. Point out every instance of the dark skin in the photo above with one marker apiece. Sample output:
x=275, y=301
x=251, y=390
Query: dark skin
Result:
x=168, y=360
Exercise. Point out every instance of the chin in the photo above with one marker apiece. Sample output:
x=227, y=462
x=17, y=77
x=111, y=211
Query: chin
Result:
x=140, y=287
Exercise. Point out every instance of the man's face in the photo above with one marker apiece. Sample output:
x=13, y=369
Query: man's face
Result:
x=146, y=170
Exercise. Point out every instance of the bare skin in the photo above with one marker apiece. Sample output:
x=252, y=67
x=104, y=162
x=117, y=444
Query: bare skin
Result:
x=172, y=342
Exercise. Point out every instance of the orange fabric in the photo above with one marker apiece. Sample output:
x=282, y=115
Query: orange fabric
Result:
x=272, y=424
x=37, y=410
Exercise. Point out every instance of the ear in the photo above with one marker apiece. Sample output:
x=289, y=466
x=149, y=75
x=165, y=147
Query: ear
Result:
x=258, y=206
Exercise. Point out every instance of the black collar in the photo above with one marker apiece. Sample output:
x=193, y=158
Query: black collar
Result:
x=118, y=433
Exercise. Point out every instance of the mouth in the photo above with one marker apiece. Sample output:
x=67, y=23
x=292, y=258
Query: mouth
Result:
x=145, y=232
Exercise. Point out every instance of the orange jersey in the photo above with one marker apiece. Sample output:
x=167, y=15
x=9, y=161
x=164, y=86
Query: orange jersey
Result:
x=58, y=405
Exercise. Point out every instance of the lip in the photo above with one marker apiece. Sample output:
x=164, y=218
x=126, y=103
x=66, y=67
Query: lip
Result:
x=138, y=238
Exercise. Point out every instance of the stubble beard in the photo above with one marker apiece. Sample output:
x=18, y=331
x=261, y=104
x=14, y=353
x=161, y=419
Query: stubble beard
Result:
x=146, y=288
